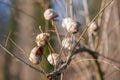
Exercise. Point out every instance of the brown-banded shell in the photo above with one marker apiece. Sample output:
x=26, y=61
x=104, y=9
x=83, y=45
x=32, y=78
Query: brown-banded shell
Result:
x=68, y=43
x=42, y=38
x=36, y=55
x=53, y=59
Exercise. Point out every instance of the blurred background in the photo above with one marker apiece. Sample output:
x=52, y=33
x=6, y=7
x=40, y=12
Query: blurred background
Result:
x=19, y=19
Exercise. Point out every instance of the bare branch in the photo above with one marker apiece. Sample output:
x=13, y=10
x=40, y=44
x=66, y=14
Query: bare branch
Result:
x=64, y=65
x=95, y=54
x=87, y=26
x=6, y=43
x=49, y=45
x=71, y=9
x=66, y=6
x=22, y=61
x=57, y=32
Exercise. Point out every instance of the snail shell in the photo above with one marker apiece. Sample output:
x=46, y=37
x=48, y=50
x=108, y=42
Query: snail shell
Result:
x=53, y=59
x=68, y=43
x=36, y=55
x=70, y=25
x=42, y=38
x=50, y=14
x=93, y=28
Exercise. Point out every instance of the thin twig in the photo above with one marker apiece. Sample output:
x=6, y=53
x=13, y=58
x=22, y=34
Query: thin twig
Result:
x=6, y=43
x=66, y=5
x=64, y=66
x=22, y=61
x=40, y=28
x=87, y=26
x=64, y=44
x=96, y=42
x=116, y=67
x=61, y=76
x=8, y=38
x=17, y=45
x=96, y=54
x=51, y=48
x=49, y=45
x=50, y=30
x=71, y=9
x=57, y=32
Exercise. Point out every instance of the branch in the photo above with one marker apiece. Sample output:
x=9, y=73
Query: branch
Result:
x=95, y=54
x=22, y=61
x=87, y=26
x=71, y=9
x=96, y=64
x=64, y=65
x=66, y=7
x=49, y=45
x=57, y=31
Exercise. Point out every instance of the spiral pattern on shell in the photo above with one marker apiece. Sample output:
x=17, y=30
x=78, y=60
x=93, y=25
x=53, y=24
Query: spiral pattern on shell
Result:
x=36, y=55
x=42, y=38
x=53, y=59
x=50, y=14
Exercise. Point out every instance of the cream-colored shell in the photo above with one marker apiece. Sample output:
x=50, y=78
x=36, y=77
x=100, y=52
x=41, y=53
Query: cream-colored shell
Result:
x=53, y=59
x=65, y=22
x=33, y=57
x=50, y=14
x=93, y=28
x=70, y=25
x=68, y=43
x=42, y=38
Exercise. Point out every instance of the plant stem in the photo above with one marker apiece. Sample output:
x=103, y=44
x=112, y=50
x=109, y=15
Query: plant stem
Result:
x=22, y=61
x=57, y=32
x=71, y=9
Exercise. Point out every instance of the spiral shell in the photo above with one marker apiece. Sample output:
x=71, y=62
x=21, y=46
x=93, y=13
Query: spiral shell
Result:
x=93, y=28
x=68, y=43
x=36, y=55
x=70, y=25
x=50, y=14
x=53, y=59
x=42, y=38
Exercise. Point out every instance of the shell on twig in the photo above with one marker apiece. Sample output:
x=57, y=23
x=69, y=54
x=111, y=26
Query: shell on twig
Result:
x=93, y=28
x=68, y=43
x=50, y=14
x=71, y=25
x=53, y=59
x=36, y=55
x=42, y=38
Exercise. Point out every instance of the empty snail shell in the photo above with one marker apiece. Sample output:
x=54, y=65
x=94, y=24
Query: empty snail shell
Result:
x=53, y=59
x=50, y=14
x=93, y=28
x=36, y=55
x=42, y=38
x=70, y=25
x=65, y=22
x=68, y=43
